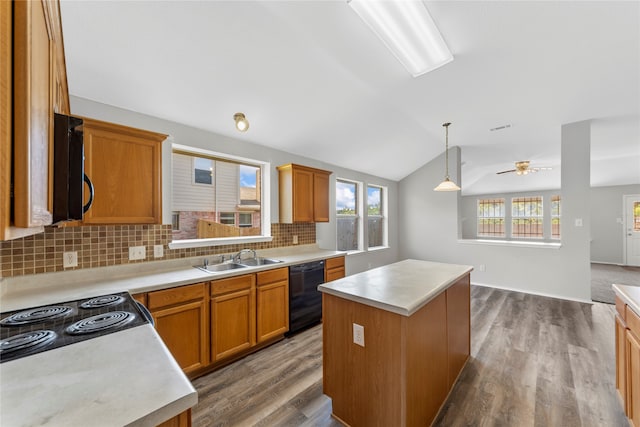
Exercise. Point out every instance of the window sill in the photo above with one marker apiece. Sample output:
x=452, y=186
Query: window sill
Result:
x=511, y=243
x=199, y=243
x=366, y=251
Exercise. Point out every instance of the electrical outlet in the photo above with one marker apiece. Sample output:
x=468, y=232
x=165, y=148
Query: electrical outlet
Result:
x=137, y=252
x=578, y=222
x=295, y=239
x=358, y=334
x=158, y=251
x=70, y=259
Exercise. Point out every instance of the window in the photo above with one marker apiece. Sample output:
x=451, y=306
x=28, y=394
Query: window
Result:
x=527, y=217
x=217, y=198
x=228, y=218
x=491, y=218
x=376, y=220
x=348, y=216
x=555, y=217
x=244, y=220
x=202, y=171
x=636, y=216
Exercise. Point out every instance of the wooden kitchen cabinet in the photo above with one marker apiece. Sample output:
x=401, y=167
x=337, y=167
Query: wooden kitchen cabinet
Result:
x=182, y=320
x=183, y=419
x=272, y=303
x=33, y=85
x=627, y=332
x=125, y=166
x=233, y=314
x=303, y=194
x=621, y=360
x=334, y=269
x=458, y=327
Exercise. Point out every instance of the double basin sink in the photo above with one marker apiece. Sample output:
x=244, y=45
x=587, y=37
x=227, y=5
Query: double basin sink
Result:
x=226, y=266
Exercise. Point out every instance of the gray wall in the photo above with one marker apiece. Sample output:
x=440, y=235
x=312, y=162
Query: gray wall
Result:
x=186, y=135
x=429, y=228
x=607, y=216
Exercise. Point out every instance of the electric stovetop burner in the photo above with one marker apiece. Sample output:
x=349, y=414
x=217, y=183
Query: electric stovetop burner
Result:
x=27, y=332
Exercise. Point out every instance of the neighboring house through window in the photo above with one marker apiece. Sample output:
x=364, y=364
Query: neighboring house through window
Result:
x=527, y=217
x=491, y=218
x=376, y=216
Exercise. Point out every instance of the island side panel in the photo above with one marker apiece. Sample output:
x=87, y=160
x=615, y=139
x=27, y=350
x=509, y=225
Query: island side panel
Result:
x=364, y=383
x=426, y=373
x=458, y=326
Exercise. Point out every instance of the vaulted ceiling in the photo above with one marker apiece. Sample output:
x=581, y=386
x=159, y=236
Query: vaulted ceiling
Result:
x=314, y=80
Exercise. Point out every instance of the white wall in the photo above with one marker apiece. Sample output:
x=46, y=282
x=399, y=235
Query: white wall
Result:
x=186, y=135
x=607, y=228
x=429, y=228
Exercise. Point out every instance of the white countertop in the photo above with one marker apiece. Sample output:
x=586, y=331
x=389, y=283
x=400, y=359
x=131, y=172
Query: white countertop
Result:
x=126, y=378
x=403, y=287
x=41, y=289
x=630, y=295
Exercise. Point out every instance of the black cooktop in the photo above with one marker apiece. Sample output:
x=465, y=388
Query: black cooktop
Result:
x=33, y=330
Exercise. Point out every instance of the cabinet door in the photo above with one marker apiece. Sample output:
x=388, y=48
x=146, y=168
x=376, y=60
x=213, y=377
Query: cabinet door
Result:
x=125, y=167
x=184, y=329
x=33, y=114
x=334, y=274
x=321, y=197
x=302, y=196
x=621, y=361
x=633, y=378
x=273, y=310
x=6, y=113
x=183, y=419
x=232, y=323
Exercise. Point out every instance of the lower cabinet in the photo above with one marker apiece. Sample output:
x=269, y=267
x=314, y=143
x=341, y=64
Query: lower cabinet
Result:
x=458, y=327
x=233, y=313
x=334, y=269
x=272, y=303
x=182, y=320
x=628, y=360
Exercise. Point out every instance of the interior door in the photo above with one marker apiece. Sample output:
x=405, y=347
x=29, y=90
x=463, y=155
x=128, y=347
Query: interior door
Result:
x=632, y=229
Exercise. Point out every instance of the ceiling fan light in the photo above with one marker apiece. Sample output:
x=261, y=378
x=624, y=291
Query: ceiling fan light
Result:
x=242, y=124
x=408, y=31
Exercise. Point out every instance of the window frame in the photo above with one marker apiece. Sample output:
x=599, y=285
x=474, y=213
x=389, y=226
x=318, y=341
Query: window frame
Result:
x=383, y=216
x=539, y=217
x=358, y=214
x=265, y=208
x=558, y=216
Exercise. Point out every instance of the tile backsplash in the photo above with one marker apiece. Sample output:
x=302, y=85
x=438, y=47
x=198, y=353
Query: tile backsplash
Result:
x=106, y=245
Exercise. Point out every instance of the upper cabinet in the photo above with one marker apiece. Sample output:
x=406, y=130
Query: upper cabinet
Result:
x=124, y=165
x=304, y=194
x=33, y=86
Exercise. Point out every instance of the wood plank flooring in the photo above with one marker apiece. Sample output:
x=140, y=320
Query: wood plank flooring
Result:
x=535, y=361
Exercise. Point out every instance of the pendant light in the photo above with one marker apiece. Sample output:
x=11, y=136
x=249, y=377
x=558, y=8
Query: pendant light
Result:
x=447, y=184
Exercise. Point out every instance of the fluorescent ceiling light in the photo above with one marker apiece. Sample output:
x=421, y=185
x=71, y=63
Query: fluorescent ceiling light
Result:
x=408, y=31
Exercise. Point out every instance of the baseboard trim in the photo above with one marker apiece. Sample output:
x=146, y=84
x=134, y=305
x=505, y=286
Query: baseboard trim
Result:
x=540, y=294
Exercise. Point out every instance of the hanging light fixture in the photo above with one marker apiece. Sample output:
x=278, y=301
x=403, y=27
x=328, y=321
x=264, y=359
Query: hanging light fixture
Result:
x=447, y=184
x=242, y=124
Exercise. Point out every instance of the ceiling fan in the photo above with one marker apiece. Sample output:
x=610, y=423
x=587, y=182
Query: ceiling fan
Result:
x=523, y=168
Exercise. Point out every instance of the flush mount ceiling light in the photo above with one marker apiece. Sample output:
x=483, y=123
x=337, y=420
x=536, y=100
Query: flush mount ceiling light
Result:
x=408, y=31
x=242, y=124
x=447, y=184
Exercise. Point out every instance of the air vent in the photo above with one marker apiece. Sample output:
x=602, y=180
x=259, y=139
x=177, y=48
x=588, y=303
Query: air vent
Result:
x=500, y=128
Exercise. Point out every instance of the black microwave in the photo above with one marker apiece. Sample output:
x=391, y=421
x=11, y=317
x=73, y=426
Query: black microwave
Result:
x=69, y=178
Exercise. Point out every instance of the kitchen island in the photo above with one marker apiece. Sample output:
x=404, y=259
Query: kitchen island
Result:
x=415, y=319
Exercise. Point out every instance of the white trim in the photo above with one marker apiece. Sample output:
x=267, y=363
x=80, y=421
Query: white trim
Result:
x=512, y=243
x=198, y=243
x=540, y=294
x=625, y=224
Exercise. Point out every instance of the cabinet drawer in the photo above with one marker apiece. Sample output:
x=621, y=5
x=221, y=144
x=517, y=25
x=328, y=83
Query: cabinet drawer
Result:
x=223, y=286
x=272, y=276
x=633, y=321
x=334, y=263
x=620, y=308
x=177, y=295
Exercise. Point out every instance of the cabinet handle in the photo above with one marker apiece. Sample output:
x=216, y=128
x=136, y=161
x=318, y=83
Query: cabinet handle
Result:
x=87, y=181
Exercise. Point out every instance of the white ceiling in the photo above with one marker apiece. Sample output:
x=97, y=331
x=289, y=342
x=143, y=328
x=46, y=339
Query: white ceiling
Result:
x=314, y=80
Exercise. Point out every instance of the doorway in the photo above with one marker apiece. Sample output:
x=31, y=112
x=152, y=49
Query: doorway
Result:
x=632, y=229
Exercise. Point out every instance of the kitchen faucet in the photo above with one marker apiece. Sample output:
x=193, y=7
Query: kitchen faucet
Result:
x=236, y=257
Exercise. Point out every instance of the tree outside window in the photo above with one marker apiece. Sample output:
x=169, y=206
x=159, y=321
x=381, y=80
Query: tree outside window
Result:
x=348, y=218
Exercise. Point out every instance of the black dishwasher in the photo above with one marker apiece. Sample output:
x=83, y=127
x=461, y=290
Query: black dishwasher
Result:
x=305, y=301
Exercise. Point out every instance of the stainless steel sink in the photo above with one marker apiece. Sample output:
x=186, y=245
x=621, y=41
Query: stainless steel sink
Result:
x=252, y=262
x=217, y=268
